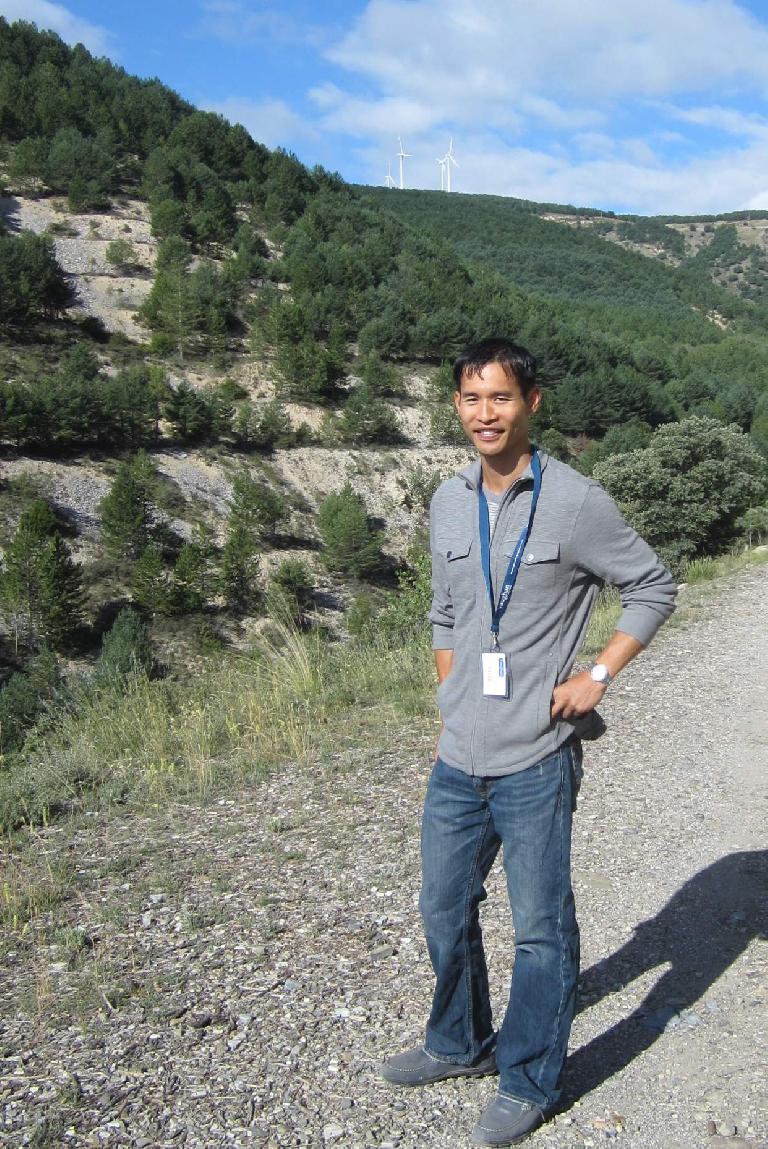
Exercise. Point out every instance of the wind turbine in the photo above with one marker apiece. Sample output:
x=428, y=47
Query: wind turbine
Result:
x=403, y=156
x=447, y=160
x=442, y=174
x=390, y=182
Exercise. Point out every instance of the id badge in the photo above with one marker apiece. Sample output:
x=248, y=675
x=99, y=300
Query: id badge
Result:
x=495, y=679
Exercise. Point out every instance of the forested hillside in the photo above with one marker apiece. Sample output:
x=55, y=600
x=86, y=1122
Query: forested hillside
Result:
x=259, y=436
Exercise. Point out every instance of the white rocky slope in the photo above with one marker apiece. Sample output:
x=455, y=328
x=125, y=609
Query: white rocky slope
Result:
x=204, y=478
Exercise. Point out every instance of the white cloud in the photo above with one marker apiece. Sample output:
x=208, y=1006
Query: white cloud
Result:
x=57, y=18
x=466, y=57
x=728, y=120
x=233, y=21
x=758, y=202
x=550, y=100
x=240, y=21
x=363, y=118
x=270, y=122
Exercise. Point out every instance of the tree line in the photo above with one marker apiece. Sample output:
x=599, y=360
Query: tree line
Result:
x=618, y=335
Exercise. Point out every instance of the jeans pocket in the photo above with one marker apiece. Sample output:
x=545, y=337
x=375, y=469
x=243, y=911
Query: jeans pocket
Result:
x=577, y=769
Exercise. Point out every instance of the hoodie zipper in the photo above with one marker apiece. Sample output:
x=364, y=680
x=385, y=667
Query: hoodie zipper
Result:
x=486, y=609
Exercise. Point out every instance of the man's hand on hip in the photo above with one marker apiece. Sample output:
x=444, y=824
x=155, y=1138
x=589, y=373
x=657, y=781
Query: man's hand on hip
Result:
x=576, y=696
x=581, y=693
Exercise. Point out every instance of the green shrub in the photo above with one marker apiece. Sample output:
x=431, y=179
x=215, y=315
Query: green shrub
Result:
x=121, y=253
x=24, y=698
x=405, y=618
x=445, y=427
x=290, y=592
x=686, y=490
x=366, y=419
x=125, y=650
x=256, y=506
x=351, y=545
x=555, y=444
x=380, y=378
x=419, y=487
x=361, y=614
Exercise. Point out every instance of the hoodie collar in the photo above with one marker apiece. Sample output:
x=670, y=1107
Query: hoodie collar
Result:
x=473, y=472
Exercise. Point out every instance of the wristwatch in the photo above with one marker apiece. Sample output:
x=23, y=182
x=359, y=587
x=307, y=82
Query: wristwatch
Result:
x=600, y=673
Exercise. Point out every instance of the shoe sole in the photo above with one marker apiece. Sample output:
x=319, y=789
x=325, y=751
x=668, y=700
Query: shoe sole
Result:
x=459, y=1071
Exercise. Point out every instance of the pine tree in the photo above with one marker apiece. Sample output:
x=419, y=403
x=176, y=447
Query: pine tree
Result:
x=41, y=586
x=149, y=581
x=239, y=569
x=194, y=575
x=172, y=309
x=125, y=514
x=367, y=419
x=59, y=608
x=255, y=506
x=190, y=413
x=121, y=253
x=20, y=581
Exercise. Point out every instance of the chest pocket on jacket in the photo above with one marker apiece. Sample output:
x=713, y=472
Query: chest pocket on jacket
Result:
x=461, y=567
x=538, y=570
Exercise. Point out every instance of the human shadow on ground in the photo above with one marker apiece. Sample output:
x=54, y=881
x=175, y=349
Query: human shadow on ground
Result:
x=701, y=931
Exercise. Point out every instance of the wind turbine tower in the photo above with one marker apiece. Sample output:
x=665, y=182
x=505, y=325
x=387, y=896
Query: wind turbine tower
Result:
x=403, y=155
x=446, y=161
x=390, y=181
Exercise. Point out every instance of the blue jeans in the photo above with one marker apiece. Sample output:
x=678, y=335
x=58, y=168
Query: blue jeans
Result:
x=466, y=820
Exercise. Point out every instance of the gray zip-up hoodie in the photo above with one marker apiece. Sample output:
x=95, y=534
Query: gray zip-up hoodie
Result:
x=579, y=541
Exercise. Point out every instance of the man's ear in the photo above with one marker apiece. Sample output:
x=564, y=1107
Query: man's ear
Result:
x=456, y=399
x=534, y=400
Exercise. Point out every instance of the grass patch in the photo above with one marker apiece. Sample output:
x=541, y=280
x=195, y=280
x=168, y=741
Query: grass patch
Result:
x=706, y=569
x=293, y=698
x=602, y=622
x=608, y=609
x=27, y=892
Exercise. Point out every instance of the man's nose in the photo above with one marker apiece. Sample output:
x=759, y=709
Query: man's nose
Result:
x=486, y=413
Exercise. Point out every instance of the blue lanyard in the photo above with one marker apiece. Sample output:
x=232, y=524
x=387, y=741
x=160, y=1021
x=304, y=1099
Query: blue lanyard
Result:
x=497, y=611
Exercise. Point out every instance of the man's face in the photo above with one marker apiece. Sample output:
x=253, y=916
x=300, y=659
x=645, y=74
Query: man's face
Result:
x=494, y=412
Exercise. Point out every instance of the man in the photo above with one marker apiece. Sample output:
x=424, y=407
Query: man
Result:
x=521, y=545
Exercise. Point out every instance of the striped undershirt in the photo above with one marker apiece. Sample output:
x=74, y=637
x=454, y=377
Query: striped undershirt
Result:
x=494, y=502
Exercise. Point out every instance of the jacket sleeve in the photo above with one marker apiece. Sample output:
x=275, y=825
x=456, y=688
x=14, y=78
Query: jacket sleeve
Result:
x=613, y=551
x=441, y=612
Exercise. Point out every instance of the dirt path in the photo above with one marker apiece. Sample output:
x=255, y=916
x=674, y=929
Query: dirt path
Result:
x=230, y=976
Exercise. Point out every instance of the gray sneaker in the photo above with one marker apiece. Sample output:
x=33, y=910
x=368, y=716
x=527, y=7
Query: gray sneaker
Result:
x=506, y=1121
x=417, y=1067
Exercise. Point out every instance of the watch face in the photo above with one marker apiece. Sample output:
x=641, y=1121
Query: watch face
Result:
x=600, y=674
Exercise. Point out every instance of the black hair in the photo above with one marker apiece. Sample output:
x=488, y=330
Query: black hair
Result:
x=515, y=360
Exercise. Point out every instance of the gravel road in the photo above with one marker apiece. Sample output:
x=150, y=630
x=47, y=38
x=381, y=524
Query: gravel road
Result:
x=231, y=975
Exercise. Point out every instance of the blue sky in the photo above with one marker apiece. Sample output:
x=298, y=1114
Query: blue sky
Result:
x=649, y=106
